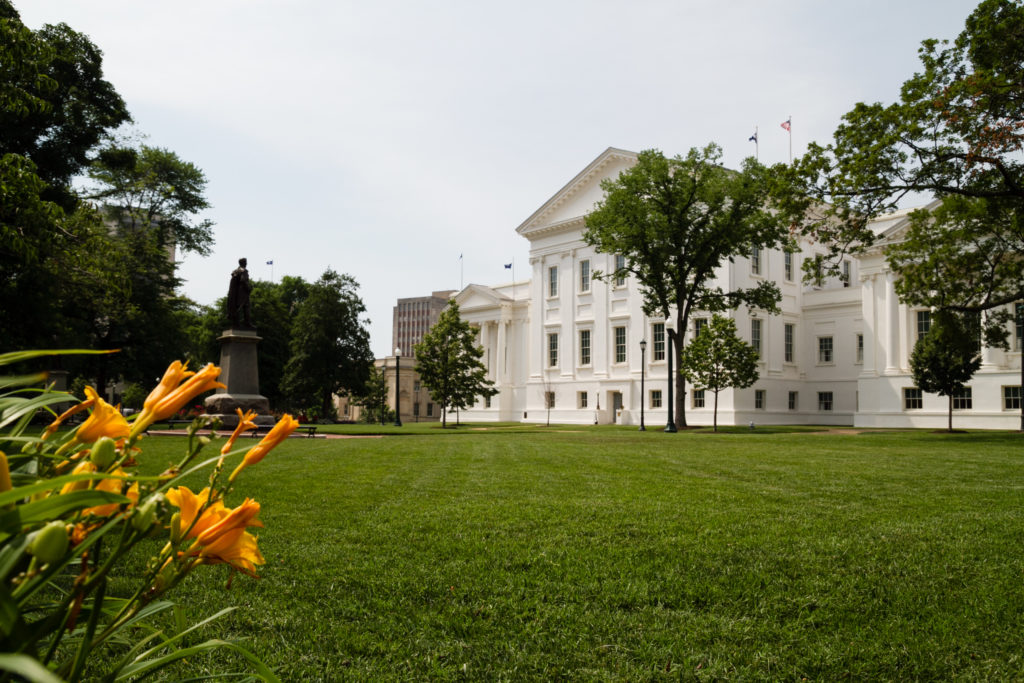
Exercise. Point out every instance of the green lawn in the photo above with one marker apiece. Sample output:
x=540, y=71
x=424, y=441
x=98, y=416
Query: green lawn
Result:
x=568, y=553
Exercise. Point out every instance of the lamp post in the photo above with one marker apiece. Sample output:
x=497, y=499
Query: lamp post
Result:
x=643, y=366
x=671, y=426
x=398, y=393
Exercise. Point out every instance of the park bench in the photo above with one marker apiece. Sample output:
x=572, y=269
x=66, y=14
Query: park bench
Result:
x=261, y=430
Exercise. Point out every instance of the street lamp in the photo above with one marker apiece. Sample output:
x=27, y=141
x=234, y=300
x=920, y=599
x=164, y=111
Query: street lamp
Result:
x=643, y=365
x=671, y=426
x=398, y=393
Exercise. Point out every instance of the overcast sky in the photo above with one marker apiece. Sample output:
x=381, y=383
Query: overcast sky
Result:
x=385, y=138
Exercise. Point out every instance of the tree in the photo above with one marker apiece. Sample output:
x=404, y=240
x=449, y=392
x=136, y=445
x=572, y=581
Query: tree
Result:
x=676, y=221
x=330, y=345
x=946, y=357
x=718, y=359
x=956, y=132
x=448, y=362
x=373, y=396
x=153, y=189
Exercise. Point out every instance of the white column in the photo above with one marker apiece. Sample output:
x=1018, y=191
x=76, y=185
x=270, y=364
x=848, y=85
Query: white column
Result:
x=869, y=314
x=892, y=326
x=501, y=351
x=536, y=336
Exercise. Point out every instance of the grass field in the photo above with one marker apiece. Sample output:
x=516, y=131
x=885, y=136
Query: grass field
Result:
x=606, y=554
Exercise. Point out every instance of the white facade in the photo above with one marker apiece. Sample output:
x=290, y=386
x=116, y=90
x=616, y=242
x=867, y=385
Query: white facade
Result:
x=564, y=347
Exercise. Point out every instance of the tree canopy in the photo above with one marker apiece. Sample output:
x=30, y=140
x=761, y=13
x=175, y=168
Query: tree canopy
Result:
x=676, y=220
x=718, y=359
x=947, y=356
x=449, y=365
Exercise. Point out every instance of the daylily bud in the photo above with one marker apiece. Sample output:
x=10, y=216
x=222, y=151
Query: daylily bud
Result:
x=204, y=441
x=176, y=527
x=144, y=514
x=103, y=452
x=49, y=543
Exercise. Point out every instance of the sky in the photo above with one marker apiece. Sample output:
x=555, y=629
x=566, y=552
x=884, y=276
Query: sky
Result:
x=386, y=139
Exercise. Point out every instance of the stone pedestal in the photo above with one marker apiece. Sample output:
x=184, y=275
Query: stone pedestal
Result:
x=240, y=372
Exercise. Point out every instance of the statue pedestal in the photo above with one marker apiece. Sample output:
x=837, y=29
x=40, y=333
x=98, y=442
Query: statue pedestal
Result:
x=240, y=372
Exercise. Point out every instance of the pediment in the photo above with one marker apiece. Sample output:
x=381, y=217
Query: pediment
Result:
x=479, y=296
x=891, y=227
x=578, y=197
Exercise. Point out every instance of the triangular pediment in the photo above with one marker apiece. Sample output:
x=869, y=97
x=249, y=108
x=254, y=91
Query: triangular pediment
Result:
x=891, y=227
x=479, y=296
x=577, y=198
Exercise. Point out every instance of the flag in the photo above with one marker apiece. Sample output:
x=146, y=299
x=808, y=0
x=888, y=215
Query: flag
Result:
x=270, y=263
x=752, y=138
x=508, y=265
x=786, y=124
x=460, y=257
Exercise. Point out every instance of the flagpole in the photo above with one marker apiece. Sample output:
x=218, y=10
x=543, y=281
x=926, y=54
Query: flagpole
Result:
x=757, y=145
x=461, y=273
x=789, y=130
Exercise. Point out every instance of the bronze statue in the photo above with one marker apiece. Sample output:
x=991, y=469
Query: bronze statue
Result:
x=238, y=295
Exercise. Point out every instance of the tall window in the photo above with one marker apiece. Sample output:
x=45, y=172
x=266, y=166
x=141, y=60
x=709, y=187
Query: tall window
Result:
x=620, y=344
x=553, y=281
x=1011, y=398
x=755, y=334
x=787, y=342
x=787, y=260
x=583, y=399
x=430, y=409
x=698, y=398
x=860, y=348
x=698, y=325
x=825, y=401
x=924, y=323
x=759, y=399
x=825, y=350
x=792, y=403
x=912, y=399
x=584, y=347
x=1019, y=325
x=620, y=264
x=658, y=335
x=549, y=399
x=655, y=398
x=585, y=275
x=755, y=261
x=846, y=274
x=963, y=400
x=552, y=349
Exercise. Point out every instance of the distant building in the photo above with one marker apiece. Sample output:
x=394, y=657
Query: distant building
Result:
x=414, y=317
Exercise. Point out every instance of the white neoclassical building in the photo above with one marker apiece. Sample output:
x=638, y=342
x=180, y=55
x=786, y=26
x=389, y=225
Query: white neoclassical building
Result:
x=565, y=347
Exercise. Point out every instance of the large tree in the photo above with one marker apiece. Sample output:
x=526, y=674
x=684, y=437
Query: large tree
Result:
x=330, y=345
x=947, y=356
x=718, y=359
x=678, y=220
x=956, y=132
x=449, y=365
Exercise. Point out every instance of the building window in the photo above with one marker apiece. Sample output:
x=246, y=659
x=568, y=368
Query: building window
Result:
x=825, y=401
x=416, y=409
x=583, y=399
x=963, y=400
x=585, y=275
x=860, y=348
x=416, y=385
x=620, y=265
x=924, y=323
x=792, y=404
x=1019, y=325
x=549, y=399
x=787, y=342
x=658, y=335
x=787, y=259
x=912, y=399
x=584, y=347
x=825, y=355
x=759, y=399
x=553, y=350
x=430, y=410
x=755, y=261
x=846, y=274
x=1011, y=398
x=698, y=325
x=755, y=334
x=553, y=281
x=698, y=398
x=620, y=344
x=655, y=398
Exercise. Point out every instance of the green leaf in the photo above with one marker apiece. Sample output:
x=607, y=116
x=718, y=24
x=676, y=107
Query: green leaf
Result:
x=19, y=356
x=27, y=668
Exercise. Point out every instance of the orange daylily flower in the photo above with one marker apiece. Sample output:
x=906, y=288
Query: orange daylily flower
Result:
x=219, y=532
x=104, y=420
x=111, y=485
x=284, y=427
x=245, y=423
x=172, y=393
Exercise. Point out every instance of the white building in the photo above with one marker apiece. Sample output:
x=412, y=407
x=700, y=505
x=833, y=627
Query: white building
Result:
x=565, y=347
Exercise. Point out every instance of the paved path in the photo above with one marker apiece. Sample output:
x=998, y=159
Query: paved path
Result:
x=294, y=435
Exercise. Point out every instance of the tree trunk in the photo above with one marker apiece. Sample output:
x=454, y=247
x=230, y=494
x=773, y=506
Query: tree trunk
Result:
x=950, y=412
x=716, y=411
x=676, y=338
x=444, y=416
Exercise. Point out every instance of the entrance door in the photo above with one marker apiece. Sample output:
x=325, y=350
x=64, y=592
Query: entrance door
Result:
x=616, y=405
